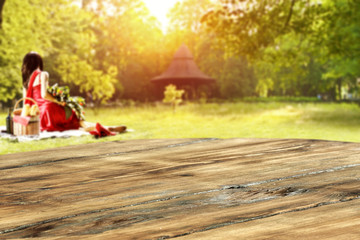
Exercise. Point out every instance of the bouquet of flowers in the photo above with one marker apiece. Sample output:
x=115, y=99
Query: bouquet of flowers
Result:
x=62, y=94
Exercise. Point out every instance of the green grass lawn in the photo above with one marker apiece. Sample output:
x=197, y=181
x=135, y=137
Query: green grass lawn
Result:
x=330, y=121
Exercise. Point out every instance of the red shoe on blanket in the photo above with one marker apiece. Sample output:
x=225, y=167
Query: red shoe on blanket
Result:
x=101, y=131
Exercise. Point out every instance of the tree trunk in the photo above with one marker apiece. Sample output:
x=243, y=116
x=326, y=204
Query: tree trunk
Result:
x=289, y=15
x=339, y=81
x=2, y=2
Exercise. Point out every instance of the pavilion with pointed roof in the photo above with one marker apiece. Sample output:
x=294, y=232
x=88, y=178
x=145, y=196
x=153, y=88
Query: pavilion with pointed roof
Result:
x=183, y=72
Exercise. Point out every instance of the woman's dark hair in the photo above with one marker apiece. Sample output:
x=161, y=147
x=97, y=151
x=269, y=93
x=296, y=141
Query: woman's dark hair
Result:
x=31, y=62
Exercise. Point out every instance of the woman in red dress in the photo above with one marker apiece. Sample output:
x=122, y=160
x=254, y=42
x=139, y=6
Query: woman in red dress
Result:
x=52, y=112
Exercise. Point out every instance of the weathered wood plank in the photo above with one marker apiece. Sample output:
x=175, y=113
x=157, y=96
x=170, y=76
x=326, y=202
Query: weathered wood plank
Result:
x=340, y=221
x=190, y=188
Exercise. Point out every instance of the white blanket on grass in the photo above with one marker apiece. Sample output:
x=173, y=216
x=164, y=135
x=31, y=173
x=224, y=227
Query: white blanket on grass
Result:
x=43, y=135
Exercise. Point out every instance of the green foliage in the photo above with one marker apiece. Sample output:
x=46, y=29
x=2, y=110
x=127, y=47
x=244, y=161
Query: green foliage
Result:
x=129, y=38
x=112, y=48
x=173, y=96
x=63, y=37
x=291, y=67
x=302, y=47
x=79, y=72
x=12, y=47
x=73, y=55
x=339, y=30
x=264, y=86
x=234, y=77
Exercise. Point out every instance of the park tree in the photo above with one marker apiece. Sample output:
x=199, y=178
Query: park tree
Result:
x=292, y=67
x=130, y=39
x=111, y=48
x=250, y=26
x=185, y=26
x=340, y=35
x=61, y=32
x=231, y=70
x=297, y=47
x=17, y=37
x=72, y=57
x=2, y=2
x=234, y=76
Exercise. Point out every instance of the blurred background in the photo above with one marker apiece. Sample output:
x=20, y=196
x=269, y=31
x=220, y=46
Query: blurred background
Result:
x=109, y=50
x=241, y=68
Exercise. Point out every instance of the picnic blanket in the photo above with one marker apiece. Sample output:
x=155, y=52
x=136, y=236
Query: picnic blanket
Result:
x=43, y=135
x=46, y=135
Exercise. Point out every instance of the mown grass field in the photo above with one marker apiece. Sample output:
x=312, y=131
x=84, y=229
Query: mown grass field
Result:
x=330, y=121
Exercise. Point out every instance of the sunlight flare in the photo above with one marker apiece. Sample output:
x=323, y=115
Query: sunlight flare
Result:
x=159, y=9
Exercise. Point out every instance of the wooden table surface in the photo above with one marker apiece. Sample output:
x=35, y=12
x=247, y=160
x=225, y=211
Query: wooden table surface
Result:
x=184, y=189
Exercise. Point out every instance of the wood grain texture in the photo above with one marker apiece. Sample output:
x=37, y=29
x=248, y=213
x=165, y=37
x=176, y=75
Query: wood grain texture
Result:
x=183, y=188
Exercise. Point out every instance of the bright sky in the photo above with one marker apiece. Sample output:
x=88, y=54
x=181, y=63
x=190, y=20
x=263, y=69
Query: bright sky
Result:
x=159, y=9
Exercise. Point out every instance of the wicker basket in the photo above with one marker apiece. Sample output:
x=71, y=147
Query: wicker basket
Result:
x=33, y=128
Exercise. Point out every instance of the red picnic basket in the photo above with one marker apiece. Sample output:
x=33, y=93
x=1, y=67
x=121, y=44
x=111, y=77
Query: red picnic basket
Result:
x=25, y=125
